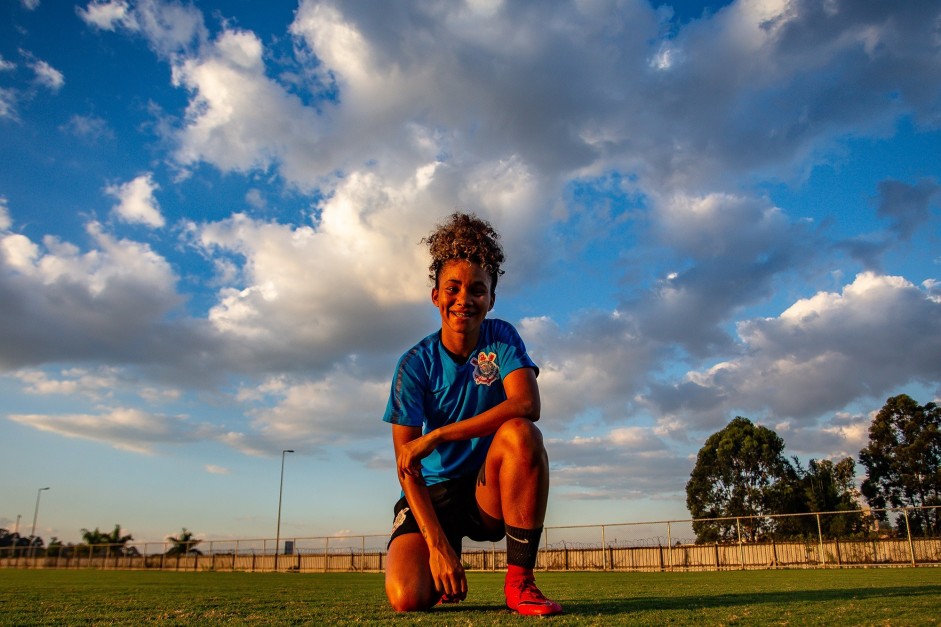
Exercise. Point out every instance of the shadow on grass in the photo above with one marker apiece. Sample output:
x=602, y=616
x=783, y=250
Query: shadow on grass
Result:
x=617, y=605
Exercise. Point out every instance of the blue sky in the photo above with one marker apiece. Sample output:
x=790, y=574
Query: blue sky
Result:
x=210, y=217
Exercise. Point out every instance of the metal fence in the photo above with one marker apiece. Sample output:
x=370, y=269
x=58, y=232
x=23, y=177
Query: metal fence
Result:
x=640, y=547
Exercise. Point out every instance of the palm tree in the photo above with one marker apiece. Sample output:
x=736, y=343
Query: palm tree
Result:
x=104, y=543
x=183, y=544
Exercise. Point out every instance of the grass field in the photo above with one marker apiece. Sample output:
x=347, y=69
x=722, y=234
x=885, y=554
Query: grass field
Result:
x=907, y=596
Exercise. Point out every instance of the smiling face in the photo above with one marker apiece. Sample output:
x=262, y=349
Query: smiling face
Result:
x=463, y=296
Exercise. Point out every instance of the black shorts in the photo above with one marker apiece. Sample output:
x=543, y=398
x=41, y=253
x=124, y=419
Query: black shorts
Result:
x=455, y=504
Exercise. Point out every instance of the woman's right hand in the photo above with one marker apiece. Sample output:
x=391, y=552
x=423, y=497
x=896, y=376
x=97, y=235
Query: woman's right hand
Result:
x=448, y=575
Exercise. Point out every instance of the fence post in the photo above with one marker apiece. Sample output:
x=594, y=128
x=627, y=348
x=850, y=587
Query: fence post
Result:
x=741, y=547
x=545, y=545
x=823, y=555
x=604, y=551
x=326, y=553
x=908, y=530
x=670, y=545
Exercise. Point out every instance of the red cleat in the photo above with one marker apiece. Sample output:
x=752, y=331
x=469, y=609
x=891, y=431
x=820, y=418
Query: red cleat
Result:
x=523, y=596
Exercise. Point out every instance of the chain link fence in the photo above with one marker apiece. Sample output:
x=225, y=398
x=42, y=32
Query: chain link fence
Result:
x=861, y=538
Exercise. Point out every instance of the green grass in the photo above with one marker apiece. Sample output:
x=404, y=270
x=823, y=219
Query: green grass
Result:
x=907, y=596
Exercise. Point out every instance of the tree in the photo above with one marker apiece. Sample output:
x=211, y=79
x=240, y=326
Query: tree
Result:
x=903, y=461
x=737, y=473
x=822, y=487
x=183, y=544
x=106, y=543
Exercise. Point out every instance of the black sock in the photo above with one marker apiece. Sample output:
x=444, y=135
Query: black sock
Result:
x=522, y=545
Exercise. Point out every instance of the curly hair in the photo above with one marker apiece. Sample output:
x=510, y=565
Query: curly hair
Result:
x=465, y=236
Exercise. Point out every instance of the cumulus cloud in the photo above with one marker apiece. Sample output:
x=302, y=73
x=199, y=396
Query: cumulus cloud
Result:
x=48, y=76
x=89, y=127
x=5, y=222
x=907, y=207
x=338, y=409
x=239, y=119
x=107, y=304
x=397, y=114
x=879, y=333
x=94, y=384
x=595, y=366
x=729, y=251
x=169, y=27
x=137, y=202
x=7, y=103
x=626, y=462
x=308, y=296
x=108, y=15
x=123, y=428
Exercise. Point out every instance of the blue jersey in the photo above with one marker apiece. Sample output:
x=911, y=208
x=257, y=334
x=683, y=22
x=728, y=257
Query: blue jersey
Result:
x=430, y=390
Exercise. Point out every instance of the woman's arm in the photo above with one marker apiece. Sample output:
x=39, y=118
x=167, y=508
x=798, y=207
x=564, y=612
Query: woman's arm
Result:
x=446, y=569
x=522, y=401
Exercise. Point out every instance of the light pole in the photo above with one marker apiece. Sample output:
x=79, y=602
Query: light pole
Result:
x=32, y=534
x=277, y=541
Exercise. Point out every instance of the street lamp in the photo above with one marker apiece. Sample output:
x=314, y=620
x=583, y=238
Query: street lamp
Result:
x=32, y=534
x=277, y=541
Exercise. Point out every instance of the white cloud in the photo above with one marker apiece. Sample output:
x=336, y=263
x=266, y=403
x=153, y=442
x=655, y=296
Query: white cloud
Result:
x=626, y=462
x=820, y=354
x=30, y=5
x=107, y=304
x=137, y=202
x=597, y=365
x=238, y=119
x=89, y=127
x=93, y=384
x=5, y=221
x=497, y=108
x=109, y=15
x=7, y=103
x=307, y=296
x=217, y=470
x=123, y=428
x=48, y=76
x=338, y=409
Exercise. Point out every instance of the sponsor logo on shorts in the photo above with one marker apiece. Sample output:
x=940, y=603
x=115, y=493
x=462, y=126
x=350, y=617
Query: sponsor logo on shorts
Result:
x=486, y=370
x=399, y=519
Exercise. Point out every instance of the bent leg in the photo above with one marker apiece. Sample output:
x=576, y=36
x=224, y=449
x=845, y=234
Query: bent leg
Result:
x=512, y=490
x=409, y=585
x=513, y=485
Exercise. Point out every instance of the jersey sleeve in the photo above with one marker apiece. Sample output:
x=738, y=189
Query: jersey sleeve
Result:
x=406, y=404
x=513, y=351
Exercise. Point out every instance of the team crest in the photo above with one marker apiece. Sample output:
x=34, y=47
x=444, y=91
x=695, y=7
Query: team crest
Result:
x=486, y=370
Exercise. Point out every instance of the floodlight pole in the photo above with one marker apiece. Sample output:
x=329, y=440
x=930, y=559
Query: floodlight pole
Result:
x=277, y=541
x=32, y=534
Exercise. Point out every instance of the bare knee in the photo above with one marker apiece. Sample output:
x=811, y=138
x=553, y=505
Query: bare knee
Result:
x=405, y=598
x=409, y=586
x=521, y=436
